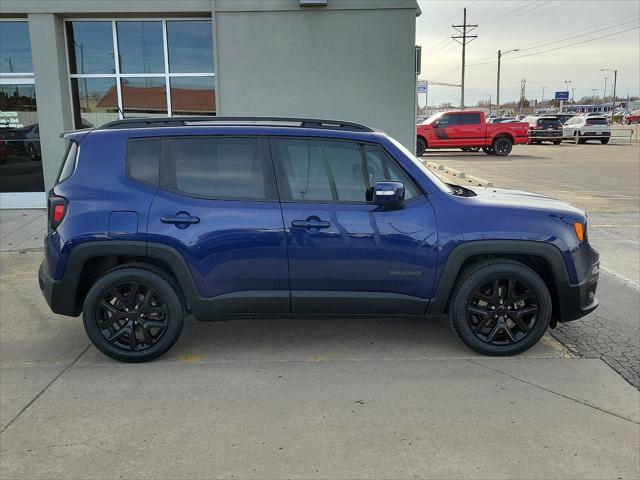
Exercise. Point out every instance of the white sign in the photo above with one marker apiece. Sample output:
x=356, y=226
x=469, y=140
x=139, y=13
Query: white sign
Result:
x=421, y=87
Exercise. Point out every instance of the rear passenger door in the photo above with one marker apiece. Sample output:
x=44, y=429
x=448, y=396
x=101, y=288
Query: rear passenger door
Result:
x=217, y=205
x=472, y=130
x=346, y=254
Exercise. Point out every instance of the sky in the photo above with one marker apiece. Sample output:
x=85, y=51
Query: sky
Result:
x=532, y=27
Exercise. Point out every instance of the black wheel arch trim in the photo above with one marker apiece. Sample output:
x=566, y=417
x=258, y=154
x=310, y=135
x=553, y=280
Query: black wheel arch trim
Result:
x=465, y=251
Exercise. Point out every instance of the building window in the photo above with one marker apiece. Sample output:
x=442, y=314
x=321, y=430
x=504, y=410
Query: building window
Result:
x=132, y=68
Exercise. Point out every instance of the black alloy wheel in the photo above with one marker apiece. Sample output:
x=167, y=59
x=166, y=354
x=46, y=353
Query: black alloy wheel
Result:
x=131, y=316
x=134, y=313
x=421, y=146
x=488, y=150
x=502, y=146
x=500, y=307
x=502, y=311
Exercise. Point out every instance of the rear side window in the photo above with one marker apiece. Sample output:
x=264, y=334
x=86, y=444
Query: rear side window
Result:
x=143, y=159
x=470, y=119
x=596, y=121
x=69, y=162
x=217, y=168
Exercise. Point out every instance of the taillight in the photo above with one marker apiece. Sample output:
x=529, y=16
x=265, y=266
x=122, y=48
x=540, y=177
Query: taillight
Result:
x=57, y=210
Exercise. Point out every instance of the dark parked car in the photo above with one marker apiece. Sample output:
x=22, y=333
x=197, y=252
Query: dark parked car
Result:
x=221, y=218
x=544, y=129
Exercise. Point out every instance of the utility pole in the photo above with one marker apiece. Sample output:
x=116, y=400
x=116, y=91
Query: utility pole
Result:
x=604, y=92
x=523, y=93
x=463, y=40
x=500, y=53
x=615, y=82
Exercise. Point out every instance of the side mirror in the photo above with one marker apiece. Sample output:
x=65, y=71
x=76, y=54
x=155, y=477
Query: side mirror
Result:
x=388, y=194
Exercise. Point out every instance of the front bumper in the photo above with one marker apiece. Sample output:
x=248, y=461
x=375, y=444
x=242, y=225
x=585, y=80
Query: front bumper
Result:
x=56, y=293
x=577, y=300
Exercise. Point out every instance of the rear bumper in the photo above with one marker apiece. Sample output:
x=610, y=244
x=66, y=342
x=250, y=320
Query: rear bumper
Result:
x=577, y=300
x=59, y=297
x=545, y=134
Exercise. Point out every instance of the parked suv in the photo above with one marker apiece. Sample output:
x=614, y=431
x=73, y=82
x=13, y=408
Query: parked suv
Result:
x=583, y=129
x=544, y=129
x=255, y=218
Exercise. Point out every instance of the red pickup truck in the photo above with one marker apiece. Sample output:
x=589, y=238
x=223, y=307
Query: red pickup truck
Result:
x=469, y=130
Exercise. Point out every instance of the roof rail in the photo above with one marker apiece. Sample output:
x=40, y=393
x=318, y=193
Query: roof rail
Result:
x=201, y=120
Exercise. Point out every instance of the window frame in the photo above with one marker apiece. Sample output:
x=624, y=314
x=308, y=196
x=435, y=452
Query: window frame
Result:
x=281, y=177
x=118, y=75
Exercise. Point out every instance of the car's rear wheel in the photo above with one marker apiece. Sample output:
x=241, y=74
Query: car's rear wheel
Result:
x=133, y=314
x=500, y=307
x=488, y=150
x=502, y=146
x=557, y=142
x=604, y=141
x=421, y=146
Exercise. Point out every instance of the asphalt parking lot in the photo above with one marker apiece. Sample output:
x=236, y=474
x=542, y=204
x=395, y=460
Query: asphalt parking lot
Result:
x=332, y=399
x=604, y=181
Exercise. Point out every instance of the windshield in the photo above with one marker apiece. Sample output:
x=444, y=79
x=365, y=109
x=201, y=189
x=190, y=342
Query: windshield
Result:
x=432, y=176
x=433, y=118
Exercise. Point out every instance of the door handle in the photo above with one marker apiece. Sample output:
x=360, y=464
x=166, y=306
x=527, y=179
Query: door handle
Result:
x=310, y=224
x=179, y=219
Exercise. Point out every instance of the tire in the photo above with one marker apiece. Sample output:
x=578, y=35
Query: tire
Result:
x=604, y=141
x=557, y=142
x=33, y=154
x=421, y=146
x=488, y=150
x=502, y=146
x=500, y=334
x=156, y=320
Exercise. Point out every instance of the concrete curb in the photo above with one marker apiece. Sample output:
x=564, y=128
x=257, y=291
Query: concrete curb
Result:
x=471, y=179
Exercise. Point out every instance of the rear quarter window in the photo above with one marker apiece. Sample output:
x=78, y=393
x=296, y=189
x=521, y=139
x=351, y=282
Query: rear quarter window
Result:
x=143, y=160
x=69, y=163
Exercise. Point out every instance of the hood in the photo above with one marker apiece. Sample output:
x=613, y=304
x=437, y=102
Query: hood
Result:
x=501, y=197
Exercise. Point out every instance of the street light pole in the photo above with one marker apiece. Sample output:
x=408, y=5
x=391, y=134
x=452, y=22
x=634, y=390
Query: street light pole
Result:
x=498, y=79
x=615, y=83
x=542, y=102
x=566, y=84
x=604, y=92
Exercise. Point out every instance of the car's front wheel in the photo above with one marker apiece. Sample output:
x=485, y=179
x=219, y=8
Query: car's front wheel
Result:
x=500, y=307
x=133, y=314
x=421, y=146
x=604, y=141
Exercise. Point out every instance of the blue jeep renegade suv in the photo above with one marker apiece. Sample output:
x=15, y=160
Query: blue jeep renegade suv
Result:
x=154, y=219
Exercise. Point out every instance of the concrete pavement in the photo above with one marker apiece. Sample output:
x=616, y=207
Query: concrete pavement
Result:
x=300, y=399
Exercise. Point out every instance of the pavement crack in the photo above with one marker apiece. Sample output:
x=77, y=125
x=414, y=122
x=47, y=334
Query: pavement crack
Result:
x=554, y=392
x=46, y=387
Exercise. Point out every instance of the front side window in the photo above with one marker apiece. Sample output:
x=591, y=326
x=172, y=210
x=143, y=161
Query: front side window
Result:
x=131, y=68
x=332, y=170
x=217, y=168
x=448, y=120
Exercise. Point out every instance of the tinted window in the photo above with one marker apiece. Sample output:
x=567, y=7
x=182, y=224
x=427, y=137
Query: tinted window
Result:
x=143, y=157
x=69, y=162
x=15, y=48
x=190, y=45
x=549, y=122
x=470, y=118
x=327, y=170
x=224, y=168
x=448, y=120
x=596, y=121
